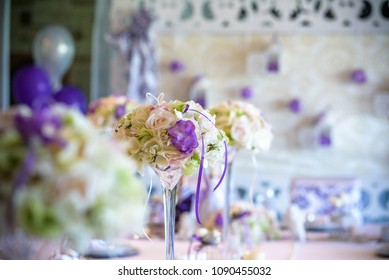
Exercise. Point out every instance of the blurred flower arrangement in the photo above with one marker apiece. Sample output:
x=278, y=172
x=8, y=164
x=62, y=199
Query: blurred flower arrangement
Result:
x=168, y=134
x=250, y=223
x=243, y=124
x=60, y=179
x=105, y=112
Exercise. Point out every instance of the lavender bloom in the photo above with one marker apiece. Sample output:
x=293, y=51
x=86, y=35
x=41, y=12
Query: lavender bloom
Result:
x=41, y=124
x=183, y=136
x=120, y=111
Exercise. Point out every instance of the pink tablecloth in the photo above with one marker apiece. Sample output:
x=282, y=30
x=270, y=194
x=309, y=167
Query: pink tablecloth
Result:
x=274, y=250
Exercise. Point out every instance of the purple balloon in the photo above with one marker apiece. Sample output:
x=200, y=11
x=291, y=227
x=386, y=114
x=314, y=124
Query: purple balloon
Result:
x=31, y=86
x=176, y=66
x=246, y=92
x=358, y=76
x=295, y=105
x=72, y=96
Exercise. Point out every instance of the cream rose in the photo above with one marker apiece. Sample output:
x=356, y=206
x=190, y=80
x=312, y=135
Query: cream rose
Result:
x=160, y=119
x=240, y=131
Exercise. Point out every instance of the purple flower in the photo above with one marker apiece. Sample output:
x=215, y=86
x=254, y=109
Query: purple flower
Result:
x=36, y=126
x=120, y=110
x=183, y=136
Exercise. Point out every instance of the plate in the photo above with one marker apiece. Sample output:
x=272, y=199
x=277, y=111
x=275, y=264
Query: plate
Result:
x=100, y=249
x=324, y=228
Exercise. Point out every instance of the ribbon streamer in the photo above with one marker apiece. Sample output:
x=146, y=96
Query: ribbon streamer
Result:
x=197, y=202
x=225, y=150
x=135, y=44
x=199, y=180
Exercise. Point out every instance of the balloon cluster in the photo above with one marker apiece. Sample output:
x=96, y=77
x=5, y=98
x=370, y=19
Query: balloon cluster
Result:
x=40, y=84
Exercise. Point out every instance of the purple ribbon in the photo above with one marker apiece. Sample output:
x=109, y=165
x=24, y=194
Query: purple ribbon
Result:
x=197, y=202
x=207, y=187
x=199, y=180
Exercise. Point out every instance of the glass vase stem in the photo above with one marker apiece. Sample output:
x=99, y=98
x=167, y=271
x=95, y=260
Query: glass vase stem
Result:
x=226, y=213
x=169, y=201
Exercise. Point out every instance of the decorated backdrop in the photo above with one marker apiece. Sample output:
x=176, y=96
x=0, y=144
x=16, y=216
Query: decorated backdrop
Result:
x=326, y=100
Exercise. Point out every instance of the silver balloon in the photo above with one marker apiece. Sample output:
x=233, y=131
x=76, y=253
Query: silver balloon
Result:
x=53, y=50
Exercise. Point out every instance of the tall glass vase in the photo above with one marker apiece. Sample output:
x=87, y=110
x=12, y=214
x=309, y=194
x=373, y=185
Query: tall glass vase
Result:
x=169, y=180
x=232, y=151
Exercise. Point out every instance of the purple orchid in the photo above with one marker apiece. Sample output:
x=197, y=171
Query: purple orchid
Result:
x=183, y=136
x=120, y=110
x=34, y=126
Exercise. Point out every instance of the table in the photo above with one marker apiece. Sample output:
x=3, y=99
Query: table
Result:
x=274, y=250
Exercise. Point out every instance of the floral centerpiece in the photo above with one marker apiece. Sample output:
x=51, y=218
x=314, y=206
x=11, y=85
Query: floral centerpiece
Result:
x=61, y=179
x=171, y=135
x=262, y=222
x=105, y=112
x=246, y=128
x=250, y=225
x=173, y=138
x=243, y=124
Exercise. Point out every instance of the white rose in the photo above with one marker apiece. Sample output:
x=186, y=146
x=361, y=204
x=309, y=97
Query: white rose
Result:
x=240, y=131
x=262, y=139
x=160, y=119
